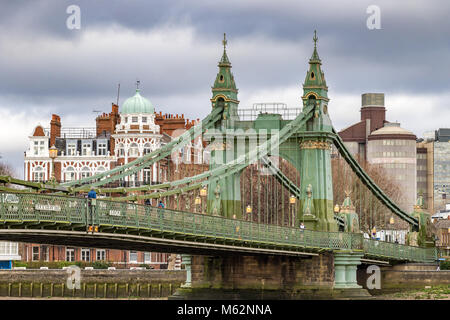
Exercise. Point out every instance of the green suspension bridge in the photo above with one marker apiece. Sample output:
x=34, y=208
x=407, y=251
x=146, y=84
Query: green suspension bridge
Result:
x=252, y=203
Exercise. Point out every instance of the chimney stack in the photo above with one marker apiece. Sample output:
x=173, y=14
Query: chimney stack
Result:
x=55, y=129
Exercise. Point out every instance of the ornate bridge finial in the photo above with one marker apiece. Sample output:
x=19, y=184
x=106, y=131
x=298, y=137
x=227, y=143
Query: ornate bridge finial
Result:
x=315, y=39
x=138, y=82
x=224, y=41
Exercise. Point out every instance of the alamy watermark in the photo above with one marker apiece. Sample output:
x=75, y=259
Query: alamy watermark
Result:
x=74, y=19
x=374, y=20
x=74, y=278
x=374, y=280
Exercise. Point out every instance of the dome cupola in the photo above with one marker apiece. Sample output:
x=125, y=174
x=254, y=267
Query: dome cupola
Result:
x=137, y=104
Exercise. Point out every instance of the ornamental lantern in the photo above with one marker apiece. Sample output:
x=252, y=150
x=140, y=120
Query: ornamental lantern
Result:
x=292, y=199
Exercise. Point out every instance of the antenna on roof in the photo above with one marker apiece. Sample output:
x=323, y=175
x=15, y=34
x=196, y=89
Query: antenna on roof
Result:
x=118, y=94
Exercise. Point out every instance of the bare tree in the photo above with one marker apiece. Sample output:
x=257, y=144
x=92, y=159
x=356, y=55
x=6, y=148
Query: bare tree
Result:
x=372, y=212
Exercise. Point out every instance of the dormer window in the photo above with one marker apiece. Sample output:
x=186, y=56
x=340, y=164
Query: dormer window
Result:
x=71, y=148
x=313, y=76
x=221, y=79
x=134, y=119
x=126, y=119
x=86, y=150
x=38, y=148
x=144, y=119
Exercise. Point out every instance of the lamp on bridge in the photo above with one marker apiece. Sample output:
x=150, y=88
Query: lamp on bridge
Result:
x=248, y=210
x=203, y=194
x=292, y=201
x=53, y=153
x=391, y=220
x=336, y=209
x=197, y=201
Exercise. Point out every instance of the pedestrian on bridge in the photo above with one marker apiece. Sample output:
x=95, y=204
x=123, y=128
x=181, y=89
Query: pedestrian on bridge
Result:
x=92, y=194
x=161, y=204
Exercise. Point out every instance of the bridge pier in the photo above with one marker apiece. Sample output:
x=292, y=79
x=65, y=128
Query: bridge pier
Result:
x=345, y=269
x=271, y=277
x=186, y=259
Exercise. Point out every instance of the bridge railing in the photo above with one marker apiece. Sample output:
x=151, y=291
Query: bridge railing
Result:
x=399, y=251
x=31, y=208
x=111, y=213
x=24, y=207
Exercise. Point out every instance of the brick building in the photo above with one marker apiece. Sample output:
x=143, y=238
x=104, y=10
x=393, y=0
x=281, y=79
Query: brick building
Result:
x=385, y=144
x=118, y=138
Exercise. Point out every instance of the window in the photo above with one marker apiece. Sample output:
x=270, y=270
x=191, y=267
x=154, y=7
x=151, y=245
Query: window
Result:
x=147, y=148
x=35, y=255
x=134, y=119
x=70, y=254
x=71, y=149
x=120, y=150
x=101, y=255
x=38, y=174
x=147, y=257
x=144, y=119
x=85, y=172
x=133, y=257
x=147, y=175
x=101, y=149
x=126, y=119
x=69, y=174
x=101, y=169
x=134, y=151
x=36, y=148
x=85, y=255
x=45, y=252
x=86, y=149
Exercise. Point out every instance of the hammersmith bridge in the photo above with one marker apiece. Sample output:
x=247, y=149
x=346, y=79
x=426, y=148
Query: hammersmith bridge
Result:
x=269, y=172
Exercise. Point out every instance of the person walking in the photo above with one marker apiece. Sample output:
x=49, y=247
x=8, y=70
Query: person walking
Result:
x=161, y=204
x=92, y=196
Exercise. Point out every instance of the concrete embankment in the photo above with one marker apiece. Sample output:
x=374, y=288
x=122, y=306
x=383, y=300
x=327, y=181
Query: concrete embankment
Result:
x=93, y=283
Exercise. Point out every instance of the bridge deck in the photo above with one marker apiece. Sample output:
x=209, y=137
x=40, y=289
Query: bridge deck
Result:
x=19, y=211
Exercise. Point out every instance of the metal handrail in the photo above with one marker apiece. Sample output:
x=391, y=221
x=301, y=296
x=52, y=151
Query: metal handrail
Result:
x=25, y=207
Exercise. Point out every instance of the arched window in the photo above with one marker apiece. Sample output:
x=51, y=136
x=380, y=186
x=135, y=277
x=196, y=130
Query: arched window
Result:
x=38, y=174
x=69, y=174
x=147, y=148
x=134, y=151
x=85, y=172
x=120, y=150
x=101, y=169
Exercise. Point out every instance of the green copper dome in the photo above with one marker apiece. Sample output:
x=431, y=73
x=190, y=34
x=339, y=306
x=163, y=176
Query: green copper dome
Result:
x=137, y=104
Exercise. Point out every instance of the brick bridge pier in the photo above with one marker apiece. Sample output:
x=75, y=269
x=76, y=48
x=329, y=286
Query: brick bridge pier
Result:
x=320, y=276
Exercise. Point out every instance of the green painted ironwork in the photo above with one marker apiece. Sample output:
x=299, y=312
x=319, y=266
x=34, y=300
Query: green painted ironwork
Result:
x=154, y=156
x=49, y=211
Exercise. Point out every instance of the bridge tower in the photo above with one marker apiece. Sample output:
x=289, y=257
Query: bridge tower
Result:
x=316, y=203
x=224, y=196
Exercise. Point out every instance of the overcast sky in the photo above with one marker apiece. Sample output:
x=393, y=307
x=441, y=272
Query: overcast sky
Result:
x=173, y=48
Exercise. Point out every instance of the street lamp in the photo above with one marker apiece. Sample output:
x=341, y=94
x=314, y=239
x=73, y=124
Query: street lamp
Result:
x=248, y=210
x=292, y=201
x=203, y=194
x=197, y=201
x=53, y=153
x=336, y=208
